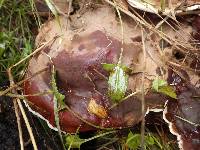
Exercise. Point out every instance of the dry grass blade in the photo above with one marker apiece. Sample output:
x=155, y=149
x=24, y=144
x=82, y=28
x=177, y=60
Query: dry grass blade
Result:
x=17, y=101
x=21, y=82
x=122, y=31
x=27, y=124
x=21, y=96
x=125, y=98
x=16, y=113
x=36, y=51
x=18, y=124
x=143, y=91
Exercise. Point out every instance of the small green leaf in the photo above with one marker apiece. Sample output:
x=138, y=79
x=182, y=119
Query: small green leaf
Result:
x=157, y=83
x=126, y=69
x=74, y=141
x=118, y=82
x=27, y=49
x=111, y=67
x=161, y=86
x=149, y=140
x=133, y=141
x=168, y=90
x=2, y=48
x=108, y=67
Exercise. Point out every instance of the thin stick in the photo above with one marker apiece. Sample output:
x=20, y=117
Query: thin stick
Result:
x=21, y=82
x=188, y=121
x=16, y=112
x=27, y=124
x=18, y=124
x=122, y=32
x=36, y=51
x=181, y=66
x=23, y=96
x=125, y=98
x=23, y=114
x=142, y=90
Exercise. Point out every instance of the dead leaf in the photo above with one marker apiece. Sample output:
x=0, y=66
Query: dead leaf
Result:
x=97, y=109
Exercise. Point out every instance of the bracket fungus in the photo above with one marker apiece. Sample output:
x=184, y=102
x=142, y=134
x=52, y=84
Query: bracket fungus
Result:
x=78, y=55
x=77, y=49
x=183, y=115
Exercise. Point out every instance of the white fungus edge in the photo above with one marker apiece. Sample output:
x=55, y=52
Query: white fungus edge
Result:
x=180, y=142
x=39, y=115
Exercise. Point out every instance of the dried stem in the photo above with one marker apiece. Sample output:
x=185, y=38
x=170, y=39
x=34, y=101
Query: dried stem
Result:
x=122, y=32
x=21, y=96
x=27, y=124
x=125, y=98
x=17, y=101
x=18, y=124
x=16, y=112
x=143, y=92
x=36, y=51
x=21, y=82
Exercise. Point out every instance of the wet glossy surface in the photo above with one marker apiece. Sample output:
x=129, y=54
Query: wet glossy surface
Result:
x=184, y=114
x=80, y=77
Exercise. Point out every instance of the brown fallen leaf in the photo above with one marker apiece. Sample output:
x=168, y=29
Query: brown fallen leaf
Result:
x=97, y=109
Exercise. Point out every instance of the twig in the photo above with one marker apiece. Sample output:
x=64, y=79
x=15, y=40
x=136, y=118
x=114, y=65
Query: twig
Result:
x=21, y=82
x=122, y=32
x=36, y=51
x=125, y=98
x=188, y=121
x=143, y=92
x=69, y=8
x=56, y=100
x=24, y=116
x=181, y=66
x=18, y=124
x=109, y=143
x=16, y=113
x=27, y=124
x=23, y=96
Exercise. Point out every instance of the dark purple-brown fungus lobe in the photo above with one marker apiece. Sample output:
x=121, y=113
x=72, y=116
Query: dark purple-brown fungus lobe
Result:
x=79, y=78
x=78, y=56
x=183, y=115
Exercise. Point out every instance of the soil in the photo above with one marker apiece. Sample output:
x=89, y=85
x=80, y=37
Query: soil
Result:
x=9, y=139
x=8, y=129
